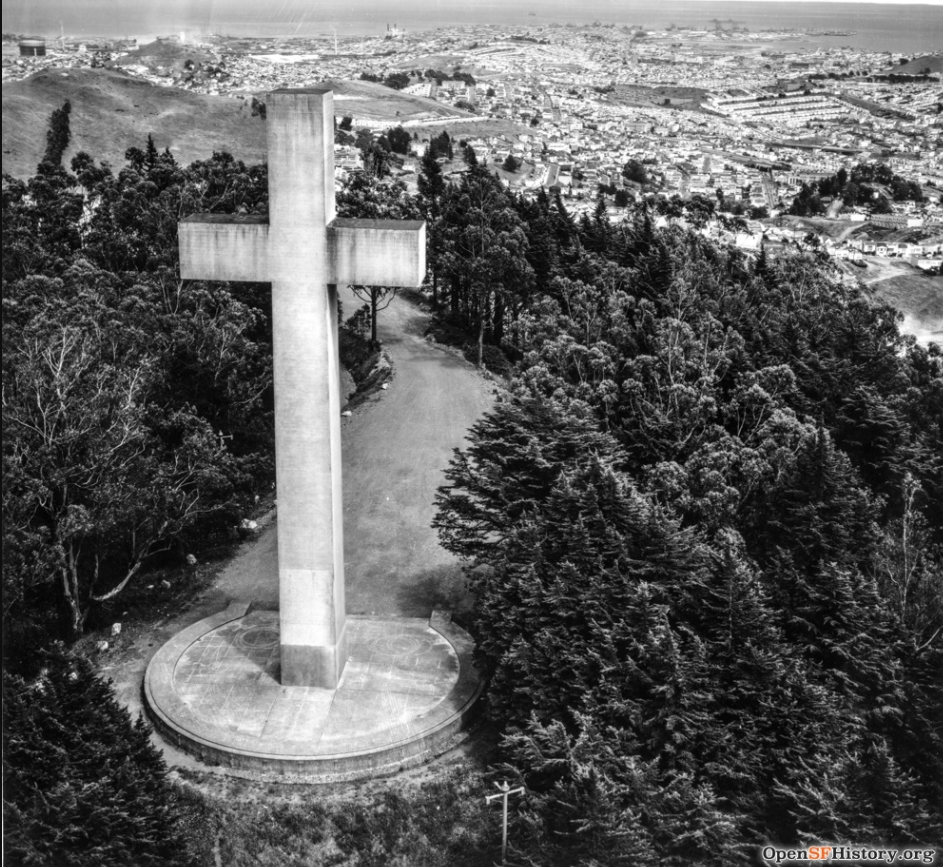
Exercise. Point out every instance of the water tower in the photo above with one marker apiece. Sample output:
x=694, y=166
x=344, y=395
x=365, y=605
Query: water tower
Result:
x=32, y=46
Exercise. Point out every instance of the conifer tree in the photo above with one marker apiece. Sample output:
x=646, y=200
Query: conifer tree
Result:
x=58, y=135
x=517, y=454
x=82, y=784
x=431, y=187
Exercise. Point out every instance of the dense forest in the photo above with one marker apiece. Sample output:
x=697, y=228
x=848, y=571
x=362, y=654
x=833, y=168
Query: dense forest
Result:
x=702, y=527
x=703, y=534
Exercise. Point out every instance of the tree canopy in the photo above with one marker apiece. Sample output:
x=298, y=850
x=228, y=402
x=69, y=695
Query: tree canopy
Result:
x=82, y=784
x=135, y=405
x=686, y=531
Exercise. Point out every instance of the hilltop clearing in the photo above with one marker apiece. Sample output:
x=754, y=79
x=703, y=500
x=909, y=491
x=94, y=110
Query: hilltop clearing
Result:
x=112, y=111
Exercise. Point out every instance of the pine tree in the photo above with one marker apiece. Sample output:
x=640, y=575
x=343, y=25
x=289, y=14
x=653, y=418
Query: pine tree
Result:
x=82, y=784
x=58, y=135
x=431, y=186
x=151, y=152
x=516, y=456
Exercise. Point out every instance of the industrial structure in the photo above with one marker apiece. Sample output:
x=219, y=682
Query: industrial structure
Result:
x=32, y=46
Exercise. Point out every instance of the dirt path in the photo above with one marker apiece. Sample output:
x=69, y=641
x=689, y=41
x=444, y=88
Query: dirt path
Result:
x=394, y=456
x=395, y=446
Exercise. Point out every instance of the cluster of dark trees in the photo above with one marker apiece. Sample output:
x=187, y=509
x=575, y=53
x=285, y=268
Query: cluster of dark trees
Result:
x=901, y=189
x=440, y=145
x=903, y=78
x=439, y=76
x=635, y=171
x=399, y=80
x=864, y=185
x=620, y=196
x=399, y=139
x=511, y=163
x=395, y=80
x=489, y=249
x=703, y=537
x=378, y=153
x=893, y=77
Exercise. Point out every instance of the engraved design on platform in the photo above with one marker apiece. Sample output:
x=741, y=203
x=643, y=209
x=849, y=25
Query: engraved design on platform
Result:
x=258, y=637
x=402, y=645
x=229, y=678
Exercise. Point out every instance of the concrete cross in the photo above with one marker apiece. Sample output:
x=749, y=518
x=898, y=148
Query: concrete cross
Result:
x=304, y=251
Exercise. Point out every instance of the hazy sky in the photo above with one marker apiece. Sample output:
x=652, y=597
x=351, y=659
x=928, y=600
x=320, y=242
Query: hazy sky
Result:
x=279, y=8
x=137, y=17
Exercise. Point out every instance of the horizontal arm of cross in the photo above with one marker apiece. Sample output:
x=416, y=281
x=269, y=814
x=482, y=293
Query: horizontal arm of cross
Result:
x=377, y=252
x=224, y=247
x=362, y=252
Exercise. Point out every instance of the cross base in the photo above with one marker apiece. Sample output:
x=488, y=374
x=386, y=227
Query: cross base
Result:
x=409, y=687
x=308, y=665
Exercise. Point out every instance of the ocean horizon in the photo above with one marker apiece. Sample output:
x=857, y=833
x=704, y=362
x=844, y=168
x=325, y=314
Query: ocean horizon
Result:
x=898, y=28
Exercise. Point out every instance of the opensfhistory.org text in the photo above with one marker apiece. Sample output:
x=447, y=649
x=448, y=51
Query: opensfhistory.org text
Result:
x=849, y=854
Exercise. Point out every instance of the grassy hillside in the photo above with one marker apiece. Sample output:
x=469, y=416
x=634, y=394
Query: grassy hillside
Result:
x=111, y=111
x=374, y=101
x=165, y=55
x=933, y=62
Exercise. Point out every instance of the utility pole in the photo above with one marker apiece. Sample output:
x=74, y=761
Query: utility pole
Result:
x=505, y=790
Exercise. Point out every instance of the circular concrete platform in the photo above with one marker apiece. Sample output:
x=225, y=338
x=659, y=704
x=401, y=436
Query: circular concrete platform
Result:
x=408, y=686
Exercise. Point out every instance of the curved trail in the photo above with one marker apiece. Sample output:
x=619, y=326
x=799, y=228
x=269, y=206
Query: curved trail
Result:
x=395, y=452
x=395, y=449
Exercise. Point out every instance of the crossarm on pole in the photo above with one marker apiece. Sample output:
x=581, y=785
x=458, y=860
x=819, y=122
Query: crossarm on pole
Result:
x=224, y=247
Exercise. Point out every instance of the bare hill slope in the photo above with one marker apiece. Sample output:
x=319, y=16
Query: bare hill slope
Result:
x=111, y=111
x=165, y=54
x=933, y=62
x=368, y=100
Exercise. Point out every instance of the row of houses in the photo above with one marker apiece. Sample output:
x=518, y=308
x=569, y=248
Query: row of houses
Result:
x=901, y=249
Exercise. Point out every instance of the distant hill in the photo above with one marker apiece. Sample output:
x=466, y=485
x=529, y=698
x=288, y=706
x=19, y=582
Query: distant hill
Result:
x=365, y=99
x=111, y=111
x=933, y=62
x=164, y=54
x=374, y=102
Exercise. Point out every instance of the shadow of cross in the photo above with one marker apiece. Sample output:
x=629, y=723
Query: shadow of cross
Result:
x=304, y=251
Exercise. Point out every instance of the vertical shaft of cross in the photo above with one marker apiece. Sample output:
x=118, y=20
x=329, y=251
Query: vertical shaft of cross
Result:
x=307, y=398
x=303, y=250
